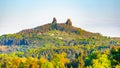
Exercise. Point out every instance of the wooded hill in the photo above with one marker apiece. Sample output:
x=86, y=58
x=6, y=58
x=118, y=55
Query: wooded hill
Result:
x=58, y=45
x=54, y=33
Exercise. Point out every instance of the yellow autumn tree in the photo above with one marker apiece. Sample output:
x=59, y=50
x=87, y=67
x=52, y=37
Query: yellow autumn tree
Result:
x=44, y=63
x=101, y=62
x=59, y=60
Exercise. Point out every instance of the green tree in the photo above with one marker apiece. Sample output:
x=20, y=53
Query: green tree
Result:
x=101, y=62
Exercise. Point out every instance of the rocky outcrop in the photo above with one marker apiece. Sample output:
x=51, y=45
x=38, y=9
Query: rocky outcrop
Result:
x=54, y=21
x=68, y=22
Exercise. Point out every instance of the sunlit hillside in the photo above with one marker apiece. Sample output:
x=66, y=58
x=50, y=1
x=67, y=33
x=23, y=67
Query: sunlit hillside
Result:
x=58, y=45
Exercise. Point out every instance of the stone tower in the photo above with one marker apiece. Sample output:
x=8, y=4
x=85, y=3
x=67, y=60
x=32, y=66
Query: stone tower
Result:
x=68, y=22
x=54, y=21
x=54, y=24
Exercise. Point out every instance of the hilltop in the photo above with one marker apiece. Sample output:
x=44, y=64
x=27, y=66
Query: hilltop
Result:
x=58, y=45
x=52, y=33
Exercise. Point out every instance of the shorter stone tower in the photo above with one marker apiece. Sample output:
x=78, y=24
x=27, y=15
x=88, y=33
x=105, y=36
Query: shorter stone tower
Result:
x=54, y=21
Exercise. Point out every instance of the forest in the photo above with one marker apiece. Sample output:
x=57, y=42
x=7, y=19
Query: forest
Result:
x=79, y=56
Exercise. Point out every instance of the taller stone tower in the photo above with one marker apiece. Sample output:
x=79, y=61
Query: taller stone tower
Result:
x=68, y=22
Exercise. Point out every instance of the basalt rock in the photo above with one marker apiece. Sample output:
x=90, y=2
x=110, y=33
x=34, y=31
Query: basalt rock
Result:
x=54, y=21
x=68, y=22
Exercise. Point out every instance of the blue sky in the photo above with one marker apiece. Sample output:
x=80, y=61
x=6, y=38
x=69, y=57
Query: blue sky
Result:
x=102, y=16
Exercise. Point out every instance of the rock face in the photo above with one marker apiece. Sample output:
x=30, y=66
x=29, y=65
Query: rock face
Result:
x=68, y=22
x=54, y=21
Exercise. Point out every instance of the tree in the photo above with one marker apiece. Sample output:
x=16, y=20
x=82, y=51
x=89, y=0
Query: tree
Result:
x=115, y=56
x=101, y=62
x=81, y=61
x=44, y=63
x=59, y=60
